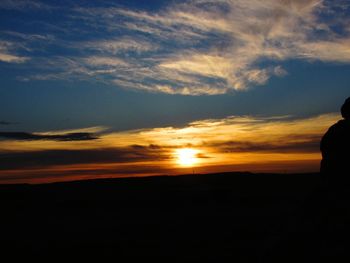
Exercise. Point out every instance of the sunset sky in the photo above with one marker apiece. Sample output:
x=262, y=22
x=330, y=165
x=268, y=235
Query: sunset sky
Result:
x=95, y=89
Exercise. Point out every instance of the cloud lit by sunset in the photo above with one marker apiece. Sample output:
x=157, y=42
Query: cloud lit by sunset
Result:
x=129, y=88
x=273, y=144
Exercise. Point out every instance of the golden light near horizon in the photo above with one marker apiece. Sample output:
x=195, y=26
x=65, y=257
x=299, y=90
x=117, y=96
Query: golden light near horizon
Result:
x=186, y=157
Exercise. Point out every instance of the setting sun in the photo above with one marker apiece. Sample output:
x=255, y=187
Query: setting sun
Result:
x=187, y=156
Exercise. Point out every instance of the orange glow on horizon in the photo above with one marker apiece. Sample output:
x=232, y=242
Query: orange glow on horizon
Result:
x=275, y=144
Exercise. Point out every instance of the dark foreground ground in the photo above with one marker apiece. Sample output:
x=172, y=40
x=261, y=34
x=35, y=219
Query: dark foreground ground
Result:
x=231, y=217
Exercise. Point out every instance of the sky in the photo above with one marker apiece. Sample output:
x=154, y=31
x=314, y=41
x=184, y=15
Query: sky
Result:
x=95, y=89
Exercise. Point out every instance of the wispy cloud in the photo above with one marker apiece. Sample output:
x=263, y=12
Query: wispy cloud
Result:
x=22, y=5
x=199, y=47
x=28, y=37
x=17, y=47
x=104, y=61
x=12, y=58
x=116, y=46
x=7, y=53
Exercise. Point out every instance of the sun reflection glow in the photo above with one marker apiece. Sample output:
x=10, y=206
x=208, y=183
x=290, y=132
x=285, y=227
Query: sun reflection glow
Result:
x=187, y=157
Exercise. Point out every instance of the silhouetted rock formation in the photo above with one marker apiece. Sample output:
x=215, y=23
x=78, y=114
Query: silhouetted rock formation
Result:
x=335, y=147
x=334, y=197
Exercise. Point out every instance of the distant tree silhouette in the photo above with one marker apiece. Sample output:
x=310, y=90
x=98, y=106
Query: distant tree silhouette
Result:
x=335, y=147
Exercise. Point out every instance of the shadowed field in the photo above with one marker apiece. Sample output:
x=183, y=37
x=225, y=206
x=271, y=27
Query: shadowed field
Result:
x=230, y=217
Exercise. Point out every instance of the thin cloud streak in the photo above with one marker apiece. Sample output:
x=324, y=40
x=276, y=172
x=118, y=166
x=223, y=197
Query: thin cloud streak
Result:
x=116, y=46
x=6, y=123
x=7, y=53
x=23, y=5
x=81, y=136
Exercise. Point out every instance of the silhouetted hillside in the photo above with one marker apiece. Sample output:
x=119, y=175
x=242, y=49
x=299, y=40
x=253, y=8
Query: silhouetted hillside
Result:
x=229, y=217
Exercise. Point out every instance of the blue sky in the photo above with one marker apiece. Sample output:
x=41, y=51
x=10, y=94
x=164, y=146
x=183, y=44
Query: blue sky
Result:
x=135, y=64
x=240, y=82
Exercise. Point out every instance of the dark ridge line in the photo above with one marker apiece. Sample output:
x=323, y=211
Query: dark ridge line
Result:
x=155, y=177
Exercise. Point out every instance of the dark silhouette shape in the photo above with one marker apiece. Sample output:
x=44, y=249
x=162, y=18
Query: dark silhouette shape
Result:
x=76, y=136
x=335, y=147
x=226, y=217
x=334, y=197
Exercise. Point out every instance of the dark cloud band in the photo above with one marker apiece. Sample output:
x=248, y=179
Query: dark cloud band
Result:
x=23, y=136
x=42, y=159
x=5, y=123
x=309, y=145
